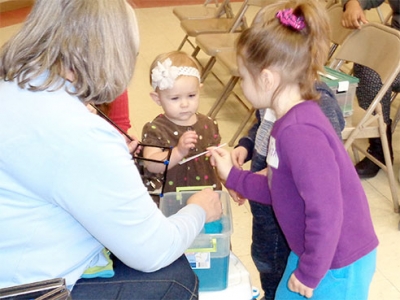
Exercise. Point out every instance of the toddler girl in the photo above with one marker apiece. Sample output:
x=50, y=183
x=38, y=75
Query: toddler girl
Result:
x=175, y=78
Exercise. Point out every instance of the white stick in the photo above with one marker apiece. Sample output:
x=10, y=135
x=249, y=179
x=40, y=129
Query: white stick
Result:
x=197, y=155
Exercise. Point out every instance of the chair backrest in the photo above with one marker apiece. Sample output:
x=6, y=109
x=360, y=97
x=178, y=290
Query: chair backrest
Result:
x=206, y=2
x=338, y=32
x=240, y=18
x=329, y=3
x=224, y=9
x=375, y=46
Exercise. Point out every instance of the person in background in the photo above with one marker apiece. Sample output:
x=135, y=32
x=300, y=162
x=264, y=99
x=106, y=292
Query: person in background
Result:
x=70, y=193
x=269, y=248
x=118, y=111
x=175, y=79
x=313, y=188
x=370, y=82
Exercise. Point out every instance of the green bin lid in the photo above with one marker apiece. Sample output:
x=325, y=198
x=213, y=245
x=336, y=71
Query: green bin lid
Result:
x=338, y=76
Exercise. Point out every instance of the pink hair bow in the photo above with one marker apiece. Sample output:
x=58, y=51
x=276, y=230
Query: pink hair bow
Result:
x=287, y=18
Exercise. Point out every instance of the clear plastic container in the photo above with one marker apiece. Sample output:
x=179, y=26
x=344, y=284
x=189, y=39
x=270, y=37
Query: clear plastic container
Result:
x=343, y=86
x=209, y=253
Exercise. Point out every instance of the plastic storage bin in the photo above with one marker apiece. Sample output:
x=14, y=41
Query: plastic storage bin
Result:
x=209, y=253
x=343, y=86
x=239, y=284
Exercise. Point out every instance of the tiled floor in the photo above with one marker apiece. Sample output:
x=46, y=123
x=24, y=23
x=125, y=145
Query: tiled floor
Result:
x=160, y=32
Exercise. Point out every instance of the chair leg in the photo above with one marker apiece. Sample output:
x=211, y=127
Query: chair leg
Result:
x=196, y=51
x=388, y=167
x=241, y=126
x=186, y=38
x=396, y=119
x=207, y=68
x=332, y=51
x=356, y=154
x=221, y=100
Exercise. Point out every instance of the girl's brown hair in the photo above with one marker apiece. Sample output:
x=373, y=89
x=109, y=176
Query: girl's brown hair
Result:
x=94, y=40
x=298, y=54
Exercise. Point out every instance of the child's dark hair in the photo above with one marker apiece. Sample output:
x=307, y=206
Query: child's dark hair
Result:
x=298, y=52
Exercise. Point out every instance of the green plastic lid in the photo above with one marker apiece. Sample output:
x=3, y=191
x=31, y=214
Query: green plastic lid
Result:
x=333, y=77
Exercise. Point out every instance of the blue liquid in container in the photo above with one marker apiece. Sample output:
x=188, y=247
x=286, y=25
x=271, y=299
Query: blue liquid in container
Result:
x=215, y=278
x=213, y=227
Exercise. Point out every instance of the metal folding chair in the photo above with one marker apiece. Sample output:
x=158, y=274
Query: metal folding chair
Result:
x=365, y=47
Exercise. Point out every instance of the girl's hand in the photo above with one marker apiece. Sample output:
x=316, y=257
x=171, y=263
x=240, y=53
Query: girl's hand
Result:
x=221, y=159
x=353, y=16
x=239, y=199
x=296, y=286
x=263, y=172
x=238, y=155
x=186, y=142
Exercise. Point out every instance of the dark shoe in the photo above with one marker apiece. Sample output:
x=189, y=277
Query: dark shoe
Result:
x=367, y=169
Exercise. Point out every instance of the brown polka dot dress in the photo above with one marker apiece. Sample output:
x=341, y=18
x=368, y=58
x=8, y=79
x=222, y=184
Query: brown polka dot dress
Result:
x=195, y=173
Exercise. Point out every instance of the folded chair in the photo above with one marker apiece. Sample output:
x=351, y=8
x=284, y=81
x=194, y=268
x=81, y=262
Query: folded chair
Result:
x=338, y=32
x=396, y=118
x=51, y=289
x=378, y=47
x=219, y=24
x=205, y=11
x=329, y=3
x=384, y=19
x=227, y=59
x=213, y=43
x=221, y=47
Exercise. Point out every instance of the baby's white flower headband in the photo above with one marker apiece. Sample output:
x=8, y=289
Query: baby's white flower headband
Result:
x=164, y=74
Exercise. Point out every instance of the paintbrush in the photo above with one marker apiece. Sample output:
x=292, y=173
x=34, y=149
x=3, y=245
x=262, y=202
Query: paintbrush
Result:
x=185, y=160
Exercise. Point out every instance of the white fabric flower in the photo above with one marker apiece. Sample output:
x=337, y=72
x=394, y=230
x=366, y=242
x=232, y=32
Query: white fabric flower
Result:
x=163, y=75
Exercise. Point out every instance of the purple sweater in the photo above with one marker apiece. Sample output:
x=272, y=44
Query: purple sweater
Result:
x=315, y=192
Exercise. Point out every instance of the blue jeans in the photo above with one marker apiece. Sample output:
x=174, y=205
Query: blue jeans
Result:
x=269, y=249
x=176, y=281
x=347, y=283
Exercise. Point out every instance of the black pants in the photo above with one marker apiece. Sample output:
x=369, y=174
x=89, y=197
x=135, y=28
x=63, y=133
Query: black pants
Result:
x=369, y=85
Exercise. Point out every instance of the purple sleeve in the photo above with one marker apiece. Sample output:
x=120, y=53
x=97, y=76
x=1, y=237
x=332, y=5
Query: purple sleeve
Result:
x=313, y=164
x=250, y=185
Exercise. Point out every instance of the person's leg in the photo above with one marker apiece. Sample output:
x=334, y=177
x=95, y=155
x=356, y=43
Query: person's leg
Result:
x=369, y=85
x=347, y=283
x=177, y=281
x=269, y=249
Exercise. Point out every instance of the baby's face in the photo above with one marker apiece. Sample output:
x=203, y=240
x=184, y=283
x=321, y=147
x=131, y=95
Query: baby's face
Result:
x=180, y=103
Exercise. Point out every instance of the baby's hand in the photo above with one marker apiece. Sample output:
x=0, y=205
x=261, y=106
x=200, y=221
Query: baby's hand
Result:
x=186, y=142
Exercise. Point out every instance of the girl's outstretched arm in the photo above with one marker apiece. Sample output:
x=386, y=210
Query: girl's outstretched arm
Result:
x=248, y=184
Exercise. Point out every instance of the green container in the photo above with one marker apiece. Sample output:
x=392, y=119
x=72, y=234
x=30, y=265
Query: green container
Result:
x=343, y=86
